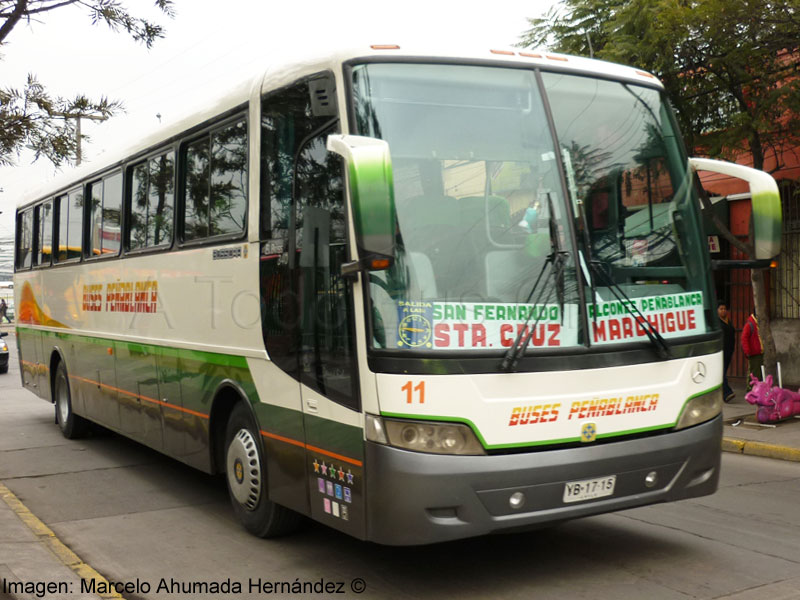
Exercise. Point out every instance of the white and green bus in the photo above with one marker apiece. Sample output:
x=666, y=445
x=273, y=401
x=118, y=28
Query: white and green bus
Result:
x=414, y=296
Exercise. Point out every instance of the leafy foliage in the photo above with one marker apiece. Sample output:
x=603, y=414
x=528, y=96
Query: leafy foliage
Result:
x=729, y=66
x=32, y=118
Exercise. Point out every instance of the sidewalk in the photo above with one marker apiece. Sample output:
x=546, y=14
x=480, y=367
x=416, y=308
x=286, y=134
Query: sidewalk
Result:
x=33, y=561
x=743, y=434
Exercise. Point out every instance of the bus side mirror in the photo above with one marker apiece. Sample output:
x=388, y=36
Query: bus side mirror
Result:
x=766, y=203
x=369, y=169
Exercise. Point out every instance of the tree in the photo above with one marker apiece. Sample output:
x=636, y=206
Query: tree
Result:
x=729, y=68
x=32, y=118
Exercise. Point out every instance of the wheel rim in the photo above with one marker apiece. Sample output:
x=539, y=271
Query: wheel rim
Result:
x=244, y=470
x=62, y=401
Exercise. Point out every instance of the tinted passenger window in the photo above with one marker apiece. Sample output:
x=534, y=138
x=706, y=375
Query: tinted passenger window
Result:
x=106, y=215
x=45, y=233
x=152, y=198
x=197, y=192
x=287, y=120
x=70, y=225
x=229, y=179
x=25, y=240
x=326, y=321
x=215, y=183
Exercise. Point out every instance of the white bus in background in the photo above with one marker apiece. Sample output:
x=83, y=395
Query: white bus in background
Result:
x=414, y=296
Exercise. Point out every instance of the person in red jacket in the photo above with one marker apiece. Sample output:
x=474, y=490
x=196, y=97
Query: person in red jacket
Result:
x=753, y=348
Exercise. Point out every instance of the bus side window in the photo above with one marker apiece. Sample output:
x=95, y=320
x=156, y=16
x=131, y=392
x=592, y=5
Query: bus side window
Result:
x=215, y=183
x=229, y=179
x=195, y=223
x=151, y=202
x=105, y=217
x=45, y=233
x=25, y=239
x=69, y=225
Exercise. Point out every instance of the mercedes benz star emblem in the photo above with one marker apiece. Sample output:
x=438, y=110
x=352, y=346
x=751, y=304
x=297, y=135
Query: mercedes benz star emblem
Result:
x=698, y=372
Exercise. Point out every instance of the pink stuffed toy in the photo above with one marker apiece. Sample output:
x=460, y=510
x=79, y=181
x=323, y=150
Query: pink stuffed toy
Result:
x=774, y=403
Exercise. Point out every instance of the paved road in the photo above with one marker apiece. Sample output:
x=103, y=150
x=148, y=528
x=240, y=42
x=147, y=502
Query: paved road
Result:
x=138, y=517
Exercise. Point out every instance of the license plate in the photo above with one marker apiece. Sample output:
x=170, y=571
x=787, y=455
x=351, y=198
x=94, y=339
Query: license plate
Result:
x=589, y=489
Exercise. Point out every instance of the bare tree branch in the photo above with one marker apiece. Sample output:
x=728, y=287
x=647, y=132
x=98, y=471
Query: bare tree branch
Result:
x=51, y=7
x=13, y=19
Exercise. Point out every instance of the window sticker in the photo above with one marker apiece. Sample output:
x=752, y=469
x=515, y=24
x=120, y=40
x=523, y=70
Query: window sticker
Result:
x=672, y=315
x=469, y=325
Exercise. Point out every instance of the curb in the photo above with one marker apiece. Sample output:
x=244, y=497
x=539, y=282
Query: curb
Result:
x=46, y=537
x=752, y=448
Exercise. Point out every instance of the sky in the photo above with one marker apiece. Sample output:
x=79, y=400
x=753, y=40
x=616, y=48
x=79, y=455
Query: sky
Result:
x=211, y=44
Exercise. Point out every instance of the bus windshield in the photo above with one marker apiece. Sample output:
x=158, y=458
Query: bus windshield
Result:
x=484, y=191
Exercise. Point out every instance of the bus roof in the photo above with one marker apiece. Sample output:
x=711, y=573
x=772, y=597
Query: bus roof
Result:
x=274, y=76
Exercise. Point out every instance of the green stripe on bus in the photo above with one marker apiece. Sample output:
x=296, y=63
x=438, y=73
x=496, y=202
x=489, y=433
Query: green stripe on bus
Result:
x=332, y=435
x=487, y=446
x=226, y=360
x=477, y=432
x=283, y=421
x=199, y=374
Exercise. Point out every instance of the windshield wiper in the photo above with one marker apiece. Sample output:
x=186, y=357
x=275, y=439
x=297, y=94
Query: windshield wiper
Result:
x=557, y=258
x=661, y=346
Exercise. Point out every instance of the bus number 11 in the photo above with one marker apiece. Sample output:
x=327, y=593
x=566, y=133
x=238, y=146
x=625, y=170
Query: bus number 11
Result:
x=420, y=387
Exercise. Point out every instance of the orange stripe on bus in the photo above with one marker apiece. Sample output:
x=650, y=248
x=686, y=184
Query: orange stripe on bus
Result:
x=300, y=444
x=35, y=364
x=273, y=436
x=280, y=438
x=139, y=396
x=346, y=459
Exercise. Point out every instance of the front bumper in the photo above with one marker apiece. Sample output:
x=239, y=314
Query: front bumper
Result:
x=415, y=498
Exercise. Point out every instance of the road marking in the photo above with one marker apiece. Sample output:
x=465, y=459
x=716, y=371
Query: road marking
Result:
x=46, y=536
x=753, y=448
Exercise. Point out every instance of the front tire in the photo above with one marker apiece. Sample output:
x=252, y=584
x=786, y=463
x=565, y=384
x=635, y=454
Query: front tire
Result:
x=72, y=426
x=246, y=476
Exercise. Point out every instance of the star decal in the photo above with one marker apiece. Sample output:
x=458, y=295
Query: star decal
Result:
x=349, y=477
x=316, y=466
x=324, y=469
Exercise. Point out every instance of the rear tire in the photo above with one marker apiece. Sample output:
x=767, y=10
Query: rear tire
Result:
x=246, y=476
x=72, y=426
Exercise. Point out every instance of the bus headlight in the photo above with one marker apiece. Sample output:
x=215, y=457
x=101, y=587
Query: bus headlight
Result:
x=424, y=436
x=701, y=408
